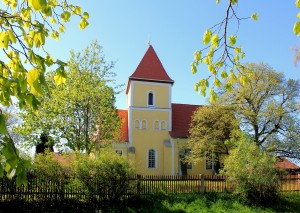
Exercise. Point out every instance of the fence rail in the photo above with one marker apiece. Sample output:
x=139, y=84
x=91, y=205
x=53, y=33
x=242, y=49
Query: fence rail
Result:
x=72, y=188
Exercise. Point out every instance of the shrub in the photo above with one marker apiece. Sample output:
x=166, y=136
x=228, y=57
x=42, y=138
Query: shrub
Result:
x=252, y=172
x=106, y=173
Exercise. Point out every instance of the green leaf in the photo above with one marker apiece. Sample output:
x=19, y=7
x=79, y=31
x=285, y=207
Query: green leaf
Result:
x=37, y=5
x=297, y=28
x=8, y=151
x=1, y=171
x=60, y=77
x=254, y=16
x=194, y=68
x=86, y=15
x=207, y=36
x=4, y=39
x=3, y=129
x=21, y=178
x=65, y=16
x=197, y=55
x=215, y=40
x=224, y=74
x=83, y=24
x=232, y=40
x=297, y=3
x=32, y=79
x=218, y=1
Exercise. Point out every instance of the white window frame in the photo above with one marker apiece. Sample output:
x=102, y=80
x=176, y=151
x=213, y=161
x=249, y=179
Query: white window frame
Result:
x=119, y=152
x=153, y=98
x=208, y=158
x=161, y=125
x=155, y=159
x=141, y=124
x=158, y=126
x=137, y=121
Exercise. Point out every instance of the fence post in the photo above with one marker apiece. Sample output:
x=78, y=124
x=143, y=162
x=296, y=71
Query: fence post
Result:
x=138, y=185
x=202, y=184
x=298, y=182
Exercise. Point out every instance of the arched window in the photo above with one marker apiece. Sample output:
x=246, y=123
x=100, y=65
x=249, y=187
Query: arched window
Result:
x=156, y=125
x=209, y=161
x=136, y=124
x=163, y=125
x=144, y=124
x=150, y=99
x=151, y=158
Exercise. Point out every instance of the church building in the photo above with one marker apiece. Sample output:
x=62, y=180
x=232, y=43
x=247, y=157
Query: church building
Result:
x=154, y=129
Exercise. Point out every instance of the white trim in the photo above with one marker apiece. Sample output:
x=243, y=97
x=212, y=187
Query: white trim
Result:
x=152, y=83
x=130, y=125
x=172, y=144
x=170, y=96
x=131, y=93
x=155, y=155
x=135, y=122
x=152, y=109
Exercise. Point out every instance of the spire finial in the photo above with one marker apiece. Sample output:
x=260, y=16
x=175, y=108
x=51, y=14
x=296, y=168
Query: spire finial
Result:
x=149, y=42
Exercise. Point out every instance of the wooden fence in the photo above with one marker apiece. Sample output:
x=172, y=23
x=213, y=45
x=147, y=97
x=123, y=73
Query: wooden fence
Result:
x=72, y=188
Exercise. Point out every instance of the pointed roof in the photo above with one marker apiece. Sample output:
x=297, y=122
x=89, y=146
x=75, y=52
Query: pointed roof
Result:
x=151, y=69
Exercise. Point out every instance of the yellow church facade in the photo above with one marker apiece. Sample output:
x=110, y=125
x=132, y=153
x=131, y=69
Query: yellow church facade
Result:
x=155, y=130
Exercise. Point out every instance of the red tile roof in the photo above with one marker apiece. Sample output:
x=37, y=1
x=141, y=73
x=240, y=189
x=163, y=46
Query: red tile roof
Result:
x=150, y=69
x=181, y=119
x=284, y=164
x=124, y=129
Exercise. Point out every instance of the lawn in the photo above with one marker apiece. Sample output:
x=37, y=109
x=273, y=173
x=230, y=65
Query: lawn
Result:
x=209, y=202
x=159, y=202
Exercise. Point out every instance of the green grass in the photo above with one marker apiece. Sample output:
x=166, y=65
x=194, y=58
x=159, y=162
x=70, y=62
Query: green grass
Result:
x=209, y=202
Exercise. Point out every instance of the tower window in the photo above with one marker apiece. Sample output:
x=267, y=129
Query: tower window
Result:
x=150, y=99
x=156, y=125
x=163, y=125
x=136, y=124
x=144, y=124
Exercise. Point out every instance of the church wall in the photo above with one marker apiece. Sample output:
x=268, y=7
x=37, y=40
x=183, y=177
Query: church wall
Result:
x=160, y=91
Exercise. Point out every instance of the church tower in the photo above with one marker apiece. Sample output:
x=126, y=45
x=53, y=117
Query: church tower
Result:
x=149, y=92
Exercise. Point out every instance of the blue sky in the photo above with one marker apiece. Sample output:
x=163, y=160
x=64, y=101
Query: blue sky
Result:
x=175, y=29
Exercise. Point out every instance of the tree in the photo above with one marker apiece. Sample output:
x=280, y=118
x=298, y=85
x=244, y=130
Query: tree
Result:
x=268, y=107
x=221, y=54
x=251, y=172
x=210, y=127
x=25, y=28
x=78, y=109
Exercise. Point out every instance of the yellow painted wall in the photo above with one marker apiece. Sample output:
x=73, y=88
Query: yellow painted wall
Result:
x=197, y=169
x=140, y=94
x=150, y=138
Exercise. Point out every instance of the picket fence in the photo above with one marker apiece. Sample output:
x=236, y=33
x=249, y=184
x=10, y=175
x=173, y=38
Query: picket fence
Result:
x=70, y=188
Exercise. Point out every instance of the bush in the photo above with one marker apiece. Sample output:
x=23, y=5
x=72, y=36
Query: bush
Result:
x=106, y=172
x=102, y=177
x=252, y=172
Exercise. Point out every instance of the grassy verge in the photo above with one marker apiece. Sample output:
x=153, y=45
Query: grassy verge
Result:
x=160, y=202
x=210, y=202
